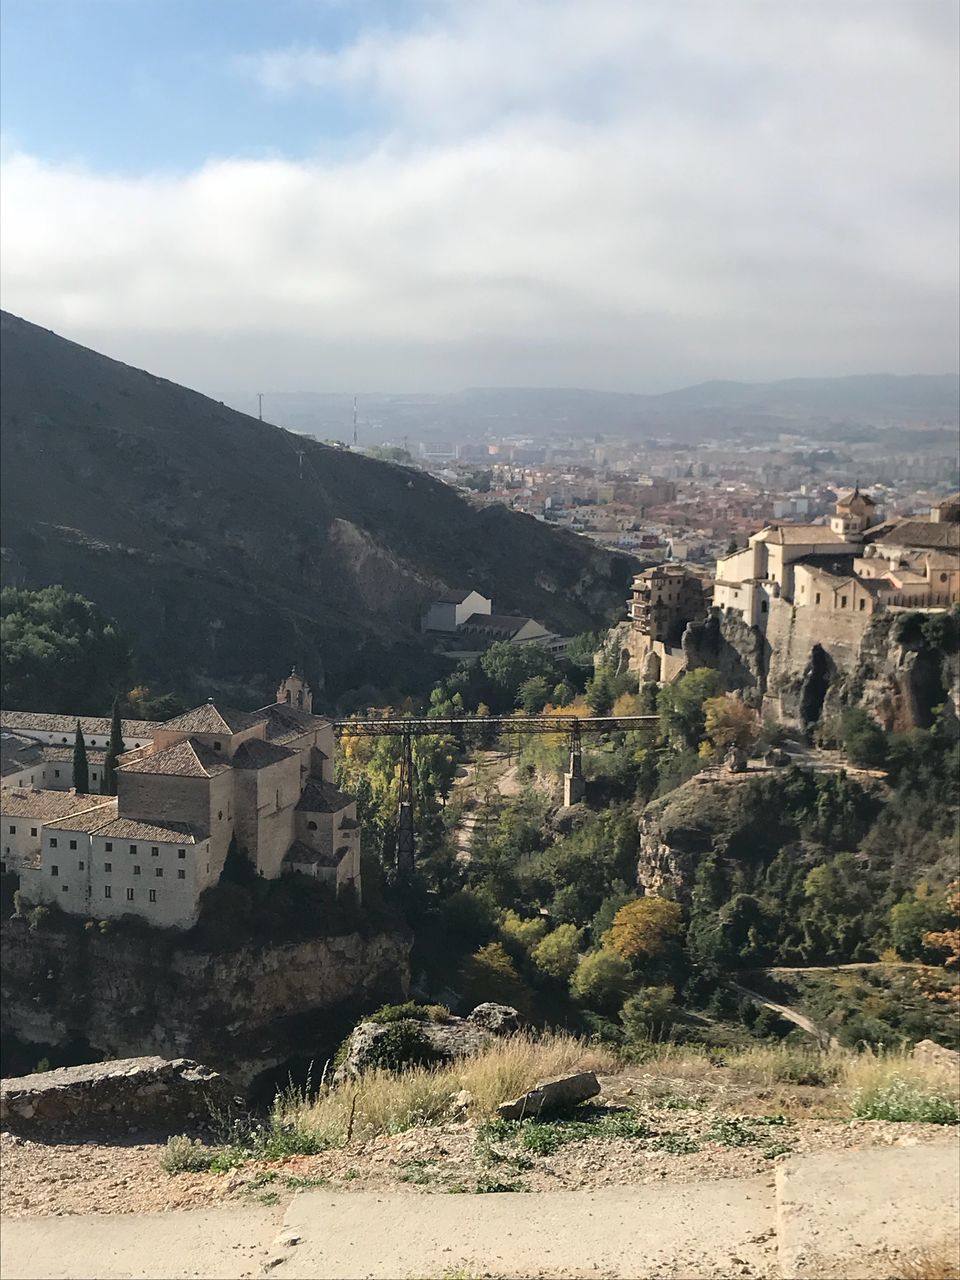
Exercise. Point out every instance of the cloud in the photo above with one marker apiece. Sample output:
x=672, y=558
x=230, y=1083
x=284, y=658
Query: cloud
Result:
x=615, y=194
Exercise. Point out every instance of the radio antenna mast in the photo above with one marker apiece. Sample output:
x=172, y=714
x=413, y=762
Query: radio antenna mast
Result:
x=354, y=421
x=260, y=403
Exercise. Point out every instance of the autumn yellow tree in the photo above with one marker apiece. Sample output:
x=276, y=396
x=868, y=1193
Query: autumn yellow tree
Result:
x=947, y=940
x=728, y=722
x=644, y=930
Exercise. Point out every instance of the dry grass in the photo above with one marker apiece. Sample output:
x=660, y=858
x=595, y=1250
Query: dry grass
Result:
x=895, y=1086
x=385, y=1102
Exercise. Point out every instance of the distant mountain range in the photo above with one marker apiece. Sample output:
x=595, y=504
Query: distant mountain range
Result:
x=822, y=407
x=229, y=548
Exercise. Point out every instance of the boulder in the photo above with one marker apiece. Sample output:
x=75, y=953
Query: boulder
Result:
x=500, y=1019
x=551, y=1096
x=413, y=1040
x=126, y=1095
x=937, y=1055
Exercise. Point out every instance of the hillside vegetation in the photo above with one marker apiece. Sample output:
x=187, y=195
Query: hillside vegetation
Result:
x=227, y=548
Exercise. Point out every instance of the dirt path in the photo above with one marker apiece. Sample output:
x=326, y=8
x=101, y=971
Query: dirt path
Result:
x=796, y=1016
x=489, y=772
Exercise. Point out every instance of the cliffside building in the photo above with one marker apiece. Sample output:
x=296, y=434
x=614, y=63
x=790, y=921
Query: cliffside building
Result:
x=200, y=780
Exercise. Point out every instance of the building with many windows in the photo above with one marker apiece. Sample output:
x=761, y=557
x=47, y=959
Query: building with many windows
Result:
x=198, y=782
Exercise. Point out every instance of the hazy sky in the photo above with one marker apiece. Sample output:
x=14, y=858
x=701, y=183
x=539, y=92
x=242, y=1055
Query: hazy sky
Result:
x=341, y=195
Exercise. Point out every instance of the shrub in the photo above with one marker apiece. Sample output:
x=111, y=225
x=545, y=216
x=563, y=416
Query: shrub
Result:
x=187, y=1155
x=864, y=741
x=521, y=936
x=409, y=1011
x=904, y=1100
x=402, y=1044
x=650, y=1010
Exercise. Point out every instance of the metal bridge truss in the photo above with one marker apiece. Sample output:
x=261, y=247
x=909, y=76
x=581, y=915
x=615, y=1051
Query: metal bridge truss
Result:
x=406, y=728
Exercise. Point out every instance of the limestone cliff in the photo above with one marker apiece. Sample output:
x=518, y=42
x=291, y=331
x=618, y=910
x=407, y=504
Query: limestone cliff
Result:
x=242, y=1011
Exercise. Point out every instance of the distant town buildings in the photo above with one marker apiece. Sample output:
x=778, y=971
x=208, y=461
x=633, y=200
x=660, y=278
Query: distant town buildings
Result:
x=186, y=789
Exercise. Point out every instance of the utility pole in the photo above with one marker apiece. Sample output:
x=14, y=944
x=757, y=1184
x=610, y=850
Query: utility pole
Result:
x=354, y=421
x=260, y=403
x=406, y=838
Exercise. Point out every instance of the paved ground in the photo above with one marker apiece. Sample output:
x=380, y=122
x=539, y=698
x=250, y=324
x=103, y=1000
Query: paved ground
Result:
x=845, y=1214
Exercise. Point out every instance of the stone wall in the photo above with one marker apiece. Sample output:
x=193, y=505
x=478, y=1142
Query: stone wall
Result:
x=242, y=1011
x=119, y=1097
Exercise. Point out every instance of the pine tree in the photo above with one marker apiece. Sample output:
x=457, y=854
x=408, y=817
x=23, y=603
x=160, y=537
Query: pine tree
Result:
x=81, y=773
x=108, y=785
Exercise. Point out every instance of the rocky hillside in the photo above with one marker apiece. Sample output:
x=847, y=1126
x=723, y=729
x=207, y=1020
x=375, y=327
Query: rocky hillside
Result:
x=228, y=548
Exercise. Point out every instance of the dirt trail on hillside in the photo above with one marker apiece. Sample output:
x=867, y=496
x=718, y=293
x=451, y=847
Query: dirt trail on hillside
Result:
x=490, y=771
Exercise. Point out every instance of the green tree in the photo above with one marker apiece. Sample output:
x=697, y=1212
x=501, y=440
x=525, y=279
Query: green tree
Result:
x=913, y=917
x=557, y=954
x=563, y=694
x=647, y=1013
x=59, y=653
x=115, y=749
x=864, y=741
x=533, y=694
x=600, y=694
x=680, y=706
x=601, y=979
x=81, y=773
x=520, y=936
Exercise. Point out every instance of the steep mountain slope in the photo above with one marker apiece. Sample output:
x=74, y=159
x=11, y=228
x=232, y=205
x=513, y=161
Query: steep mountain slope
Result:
x=228, y=547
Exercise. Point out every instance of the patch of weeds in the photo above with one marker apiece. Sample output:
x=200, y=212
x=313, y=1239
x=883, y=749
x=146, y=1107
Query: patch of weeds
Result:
x=262, y=1179
x=419, y=1172
x=778, y=1149
x=487, y=1185
x=350, y=1175
x=543, y=1138
x=677, y=1102
x=299, y=1184
x=187, y=1155
x=269, y=1198
x=731, y=1133
x=771, y=1120
x=902, y=1100
x=455, y=1189
x=675, y=1144
x=244, y=1139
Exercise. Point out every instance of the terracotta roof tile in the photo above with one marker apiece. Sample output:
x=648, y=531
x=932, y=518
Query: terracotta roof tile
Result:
x=161, y=831
x=50, y=806
x=322, y=797
x=187, y=759
x=211, y=718
x=257, y=754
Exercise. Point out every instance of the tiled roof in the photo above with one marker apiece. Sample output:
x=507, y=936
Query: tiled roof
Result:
x=187, y=759
x=93, y=820
x=162, y=832
x=211, y=718
x=792, y=535
x=322, y=797
x=257, y=754
x=286, y=723
x=50, y=752
x=923, y=533
x=302, y=853
x=845, y=499
x=50, y=806
x=44, y=722
x=17, y=753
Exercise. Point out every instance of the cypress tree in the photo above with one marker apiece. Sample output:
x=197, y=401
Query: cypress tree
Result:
x=108, y=786
x=81, y=773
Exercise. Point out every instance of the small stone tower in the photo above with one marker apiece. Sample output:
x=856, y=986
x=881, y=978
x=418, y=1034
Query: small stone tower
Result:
x=295, y=692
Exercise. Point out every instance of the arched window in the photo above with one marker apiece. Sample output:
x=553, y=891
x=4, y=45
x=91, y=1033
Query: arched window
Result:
x=311, y=826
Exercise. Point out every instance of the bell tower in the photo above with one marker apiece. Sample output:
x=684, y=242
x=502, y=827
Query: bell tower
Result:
x=295, y=692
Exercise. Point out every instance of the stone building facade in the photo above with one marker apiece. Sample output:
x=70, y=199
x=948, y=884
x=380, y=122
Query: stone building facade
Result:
x=201, y=780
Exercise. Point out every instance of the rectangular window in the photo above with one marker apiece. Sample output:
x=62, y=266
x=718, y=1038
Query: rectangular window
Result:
x=154, y=852
x=843, y=602
x=153, y=895
x=107, y=891
x=13, y=831
x=217, y=746
x=136, y=871
x=129, y=895
x=81, y=865
x=108, y=867
x=863, y=605
x=108, y=847
x=33, y=830
x=181, y=873
x=94, y=776
x=56, y=773
x=65, y=888
x=73, y=844
x=181, y=853
x=54, y=870
x=817, y=601
x=159, y=872
x=53, y=842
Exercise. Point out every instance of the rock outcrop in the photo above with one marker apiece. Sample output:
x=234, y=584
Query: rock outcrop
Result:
x=244, y=1011
x=409, y=1041
x=130, y=1095
x=550, y=1096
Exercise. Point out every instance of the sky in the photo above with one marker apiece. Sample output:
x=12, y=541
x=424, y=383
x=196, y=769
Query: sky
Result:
x=404, y=195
